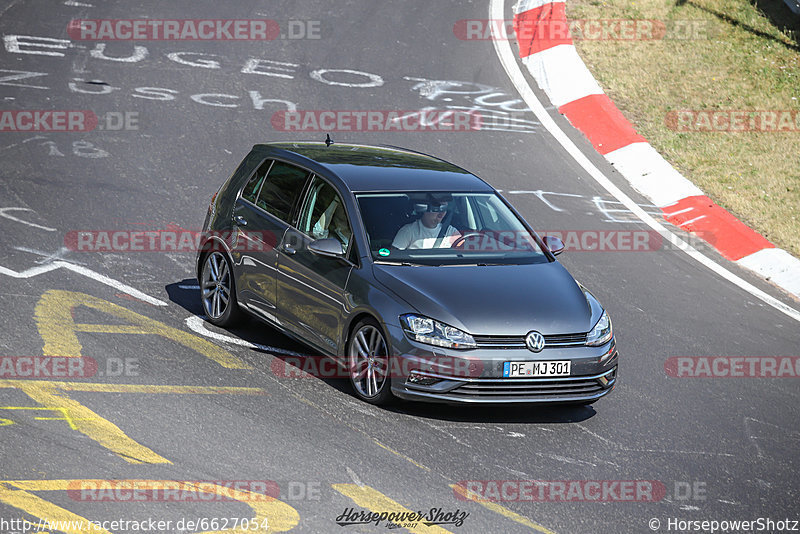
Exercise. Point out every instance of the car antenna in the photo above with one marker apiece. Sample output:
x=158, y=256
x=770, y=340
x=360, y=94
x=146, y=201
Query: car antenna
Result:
x=328, y=140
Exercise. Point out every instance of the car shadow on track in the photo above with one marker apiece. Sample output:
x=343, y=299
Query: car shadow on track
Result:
x=534, y=414
x=263, y=339
x=286, y=365
x=186, y=294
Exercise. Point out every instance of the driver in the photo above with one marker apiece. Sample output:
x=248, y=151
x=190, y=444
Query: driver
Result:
x=426, y=231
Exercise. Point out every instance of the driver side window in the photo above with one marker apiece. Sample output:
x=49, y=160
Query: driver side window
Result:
x=324, y=215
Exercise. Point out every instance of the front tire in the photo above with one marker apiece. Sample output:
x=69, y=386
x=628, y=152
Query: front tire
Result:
x=218, y=290
x=368, y=362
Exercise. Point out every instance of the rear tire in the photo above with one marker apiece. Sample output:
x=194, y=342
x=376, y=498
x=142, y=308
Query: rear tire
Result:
x=368, y=363
x=218, y=290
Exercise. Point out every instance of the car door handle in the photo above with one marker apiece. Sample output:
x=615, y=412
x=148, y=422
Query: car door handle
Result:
x=241, y=221
x=289, y=249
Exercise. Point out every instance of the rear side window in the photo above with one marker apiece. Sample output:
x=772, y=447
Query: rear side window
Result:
x=250, y=191
x=281, y=189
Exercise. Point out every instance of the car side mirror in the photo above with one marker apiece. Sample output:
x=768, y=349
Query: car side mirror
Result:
x=328, y=247
x=555, y=245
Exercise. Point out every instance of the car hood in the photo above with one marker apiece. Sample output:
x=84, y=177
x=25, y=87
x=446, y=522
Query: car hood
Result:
x=500, y=300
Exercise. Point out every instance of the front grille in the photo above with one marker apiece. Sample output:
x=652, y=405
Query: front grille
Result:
x=565, y=339
x=540, y=388
x=518, y=342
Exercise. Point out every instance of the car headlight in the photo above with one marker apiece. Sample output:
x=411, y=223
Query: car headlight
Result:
x=601, y=333
x=426, y=330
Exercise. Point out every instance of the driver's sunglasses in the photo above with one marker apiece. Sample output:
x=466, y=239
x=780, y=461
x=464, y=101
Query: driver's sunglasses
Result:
x=437, y=208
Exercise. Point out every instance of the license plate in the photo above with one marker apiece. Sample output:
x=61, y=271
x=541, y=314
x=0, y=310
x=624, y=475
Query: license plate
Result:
x=535, y=369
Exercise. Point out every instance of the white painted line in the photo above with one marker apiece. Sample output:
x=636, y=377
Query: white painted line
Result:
x=59, y=264
x=4, y=213
x=110, y=282
x=73, y=3
x=509, y=62
x=28, y=273
x=574, y=80
x=46, y=257
x=690, y=221
x=674, y=213
x=600, y=204
x=541, y=195
x=195, y=323
x=185, y=286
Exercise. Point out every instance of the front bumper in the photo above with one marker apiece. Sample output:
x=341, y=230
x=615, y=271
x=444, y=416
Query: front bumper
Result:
x=476, y=376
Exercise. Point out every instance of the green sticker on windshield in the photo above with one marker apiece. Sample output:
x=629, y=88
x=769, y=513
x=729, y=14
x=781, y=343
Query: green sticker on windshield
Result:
x=384, y=252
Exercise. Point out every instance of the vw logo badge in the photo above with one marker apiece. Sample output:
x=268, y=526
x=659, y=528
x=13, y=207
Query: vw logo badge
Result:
x=535, y=341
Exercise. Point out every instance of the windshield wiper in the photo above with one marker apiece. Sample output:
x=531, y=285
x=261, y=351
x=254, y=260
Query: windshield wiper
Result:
x=402, y=263
x=471, y=264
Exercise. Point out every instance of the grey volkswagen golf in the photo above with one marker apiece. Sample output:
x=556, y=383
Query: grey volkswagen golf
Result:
x=417, y=278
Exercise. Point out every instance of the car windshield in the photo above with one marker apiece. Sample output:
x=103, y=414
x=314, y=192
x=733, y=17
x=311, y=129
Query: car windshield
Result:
x=441, y=228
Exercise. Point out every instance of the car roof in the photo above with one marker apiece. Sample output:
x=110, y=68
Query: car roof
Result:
x=363, y=168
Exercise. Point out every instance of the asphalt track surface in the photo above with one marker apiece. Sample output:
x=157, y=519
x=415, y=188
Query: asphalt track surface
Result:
x=733, y=441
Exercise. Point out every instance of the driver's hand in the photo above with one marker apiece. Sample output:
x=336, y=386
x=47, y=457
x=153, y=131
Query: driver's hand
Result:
x=451, y=240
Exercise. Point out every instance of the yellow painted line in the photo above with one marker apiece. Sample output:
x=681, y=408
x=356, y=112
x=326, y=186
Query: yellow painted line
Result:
x=65, y=416
x=39, y=485
x=90, y=424
x=53, y=315
x=63, y=484
x=56, y=326
x=277, y=514
x=42, y=509
x=93, y=387
x=375, y=501
x=400, y=454
x=502, y=510
x=111, y=328
x=50, y=395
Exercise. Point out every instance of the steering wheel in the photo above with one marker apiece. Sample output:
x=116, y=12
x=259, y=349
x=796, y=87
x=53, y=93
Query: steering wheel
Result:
x=459, y=243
